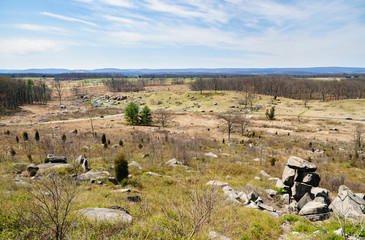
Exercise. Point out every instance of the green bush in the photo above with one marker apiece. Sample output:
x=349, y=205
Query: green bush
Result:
x=36, y=136
x=121, y=167
x=145, y=117
x=103, y=139
x=25, y=136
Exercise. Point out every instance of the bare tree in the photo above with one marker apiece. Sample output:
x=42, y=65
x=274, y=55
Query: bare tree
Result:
x=58, y=88
x=231, y=120
x=243, y=120
x=163, y=117
x=358, y=136
x=53, y=201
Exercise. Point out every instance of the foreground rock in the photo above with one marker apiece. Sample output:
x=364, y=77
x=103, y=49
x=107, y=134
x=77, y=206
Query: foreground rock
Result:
x=347, y=203
x=92, y=175
x=106, y=214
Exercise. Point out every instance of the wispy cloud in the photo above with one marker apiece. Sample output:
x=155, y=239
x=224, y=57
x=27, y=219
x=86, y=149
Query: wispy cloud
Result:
x=65, y=18
x=118, y=3
x=41, y=28
x=29, y=46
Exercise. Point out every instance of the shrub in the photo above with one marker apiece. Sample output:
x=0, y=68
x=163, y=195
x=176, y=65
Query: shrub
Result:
x=7, y=132
x=25, y=136
x=272, y=161
x=121, y=142
x=121, y=167
x=36, y=136
x=270, y=115
x=29, y=156
x=46, y=160
x=103, y=139
x=17, y=139
x=64, y=138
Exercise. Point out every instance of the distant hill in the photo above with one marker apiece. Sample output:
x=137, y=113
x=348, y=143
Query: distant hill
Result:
x=227, y=71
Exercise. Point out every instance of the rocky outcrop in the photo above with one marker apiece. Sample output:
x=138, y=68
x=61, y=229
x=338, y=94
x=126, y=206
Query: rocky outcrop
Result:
x=81, y=160
x=301, y=181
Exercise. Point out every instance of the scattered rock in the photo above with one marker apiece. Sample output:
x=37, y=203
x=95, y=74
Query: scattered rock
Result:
x=271, y=192
x=106, y=214
x=253, y=196
x=83, y=162
x=145, y=155
x=210, y=154
x=216, y=236
x=319, y=211
x=32, y=167
x=45, y=166
x=126, y=190
x=285, y=198
x=20, y=181
x=265, y=207
x=217, y=183
x=135, y=164
x=113, y=180
x=153, y=174
x=94, y=175
x=265, y=174
x=134, y=198
x=173, y=162
x=56, y=159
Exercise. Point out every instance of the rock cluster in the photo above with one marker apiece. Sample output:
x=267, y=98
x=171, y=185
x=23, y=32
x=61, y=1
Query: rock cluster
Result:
x=301, y=182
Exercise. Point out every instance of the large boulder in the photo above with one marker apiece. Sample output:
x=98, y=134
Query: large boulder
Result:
x=56, y=159
x=301, y=164
x=348, y=204
x=107, y=215
x=32, y=167
x=83, y=162
x=308, y=197
x=315, y=211
x=299, y=190
x=308, y=178
x=288, y=176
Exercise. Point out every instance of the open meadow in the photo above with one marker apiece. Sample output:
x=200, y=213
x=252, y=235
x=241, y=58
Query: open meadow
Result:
x=171, y=199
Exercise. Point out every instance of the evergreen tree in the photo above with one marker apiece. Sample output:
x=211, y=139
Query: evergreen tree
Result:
x=270, y=115
x=121, y=167
x=103, y=139
x=131, y=114
x=36, y=136
x=146, y=117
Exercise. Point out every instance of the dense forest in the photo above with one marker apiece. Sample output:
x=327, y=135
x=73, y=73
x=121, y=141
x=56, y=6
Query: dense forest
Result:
x=287, y=86
x=15, y=92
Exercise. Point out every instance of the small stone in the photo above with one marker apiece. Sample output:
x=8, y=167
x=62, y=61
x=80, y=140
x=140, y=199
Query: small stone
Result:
x=153, y=174
x=210, y=154
x=271, y=192
x=134, y=198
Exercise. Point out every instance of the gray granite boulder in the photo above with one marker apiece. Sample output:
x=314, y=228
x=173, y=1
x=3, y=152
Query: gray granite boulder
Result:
x=301, y=164
x=308, y=178
x=299, y=190
x=106, y=214
x=347, y=203
x=288, y=176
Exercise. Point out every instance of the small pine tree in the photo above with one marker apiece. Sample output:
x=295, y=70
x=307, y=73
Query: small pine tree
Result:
x=64, y=138
x=121, y=143
x=12, y=152
x=131, y=114
x=17, y=139
x=25, y=136
x=145, y=117
x=270, y=115
x=36, y=136
x=121, y=167
x=103, y=139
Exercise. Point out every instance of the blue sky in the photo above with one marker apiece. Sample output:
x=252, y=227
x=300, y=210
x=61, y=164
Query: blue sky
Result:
x=89, y=34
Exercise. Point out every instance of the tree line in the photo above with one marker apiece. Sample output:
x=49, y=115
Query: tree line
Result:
x=286, y=86
x=16, y=92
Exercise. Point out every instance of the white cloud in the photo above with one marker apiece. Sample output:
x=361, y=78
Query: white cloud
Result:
x=42, y=28
x=69, y=19
x=118, y=3
x=29, y=46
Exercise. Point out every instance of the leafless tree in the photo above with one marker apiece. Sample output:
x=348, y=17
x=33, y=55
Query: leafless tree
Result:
x=163, y=117
x=53, y=201
x=358, y=136
x=231, y=120
x=59, y=91
x=243, y=120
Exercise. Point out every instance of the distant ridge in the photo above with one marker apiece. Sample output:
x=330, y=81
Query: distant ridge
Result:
x=227, y=71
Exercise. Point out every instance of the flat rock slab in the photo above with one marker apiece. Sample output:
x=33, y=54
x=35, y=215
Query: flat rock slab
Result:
x=301, y=164
x=45, y=166
x=314, y=207
x=217, y=183
x=126, y=190
x=210, y=154
x=94, y=175
x=106, y=214
x=153, y=174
